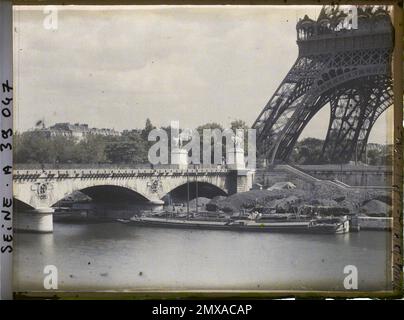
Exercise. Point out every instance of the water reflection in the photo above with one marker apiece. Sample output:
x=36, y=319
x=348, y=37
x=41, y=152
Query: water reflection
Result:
x=107, y=256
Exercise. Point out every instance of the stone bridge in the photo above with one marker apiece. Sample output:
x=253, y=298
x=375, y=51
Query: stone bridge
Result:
x=39, y=190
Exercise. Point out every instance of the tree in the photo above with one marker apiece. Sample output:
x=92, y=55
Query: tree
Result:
x=128, y=152
x=238, y=124
x=307, y=151
x=62, y=149
x=213, y=143
x=33, y=147
x=374, y=157
x=147, y=128
x=90, y=150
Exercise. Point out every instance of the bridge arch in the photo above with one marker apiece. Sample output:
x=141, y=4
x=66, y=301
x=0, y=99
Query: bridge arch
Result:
x=46, y=193
x=111, y=193
x=204, y=189
x=20, y=205
x=107, y=191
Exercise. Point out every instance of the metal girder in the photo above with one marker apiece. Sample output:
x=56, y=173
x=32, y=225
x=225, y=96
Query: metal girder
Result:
x=354, y=111
x=351, y=73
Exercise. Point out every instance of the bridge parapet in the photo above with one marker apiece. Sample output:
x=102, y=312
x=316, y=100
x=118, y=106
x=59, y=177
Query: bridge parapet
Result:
x=56, y=174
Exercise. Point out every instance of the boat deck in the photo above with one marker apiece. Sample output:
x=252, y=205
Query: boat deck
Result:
x=237, y=225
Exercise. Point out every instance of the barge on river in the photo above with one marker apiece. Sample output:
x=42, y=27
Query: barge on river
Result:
x=332, y=225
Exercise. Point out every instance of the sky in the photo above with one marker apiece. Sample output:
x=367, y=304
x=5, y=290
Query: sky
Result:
x=114, y=67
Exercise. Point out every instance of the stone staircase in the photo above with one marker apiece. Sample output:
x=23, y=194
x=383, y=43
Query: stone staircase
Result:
x=285, y=172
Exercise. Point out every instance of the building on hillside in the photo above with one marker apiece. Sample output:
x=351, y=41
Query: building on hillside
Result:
x=77, y=130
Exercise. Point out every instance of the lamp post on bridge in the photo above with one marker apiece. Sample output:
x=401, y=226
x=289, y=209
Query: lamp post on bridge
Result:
x=187, y=193
x=196, y=189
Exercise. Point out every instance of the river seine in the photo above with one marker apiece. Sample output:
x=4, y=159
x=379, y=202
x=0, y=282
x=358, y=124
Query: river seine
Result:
x=115, y=256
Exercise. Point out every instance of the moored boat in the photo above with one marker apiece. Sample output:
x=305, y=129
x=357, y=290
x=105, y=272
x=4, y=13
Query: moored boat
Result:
x=330, y=225
x=325, y=225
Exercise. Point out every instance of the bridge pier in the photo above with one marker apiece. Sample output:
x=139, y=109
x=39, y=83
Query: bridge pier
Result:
x=156, y=205
x=242, y=180
x=36, y=220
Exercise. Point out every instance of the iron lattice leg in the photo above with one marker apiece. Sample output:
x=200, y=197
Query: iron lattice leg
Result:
x=353, y=113
x=349, y=69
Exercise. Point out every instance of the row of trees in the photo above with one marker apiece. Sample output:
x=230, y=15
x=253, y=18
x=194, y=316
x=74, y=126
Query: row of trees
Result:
x=309, y=150
x=132, y=147
x=34, y=147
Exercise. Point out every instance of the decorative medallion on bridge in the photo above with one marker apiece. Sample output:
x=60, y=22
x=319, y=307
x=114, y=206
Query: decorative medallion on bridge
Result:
x=42, y=189
x=154, y=185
